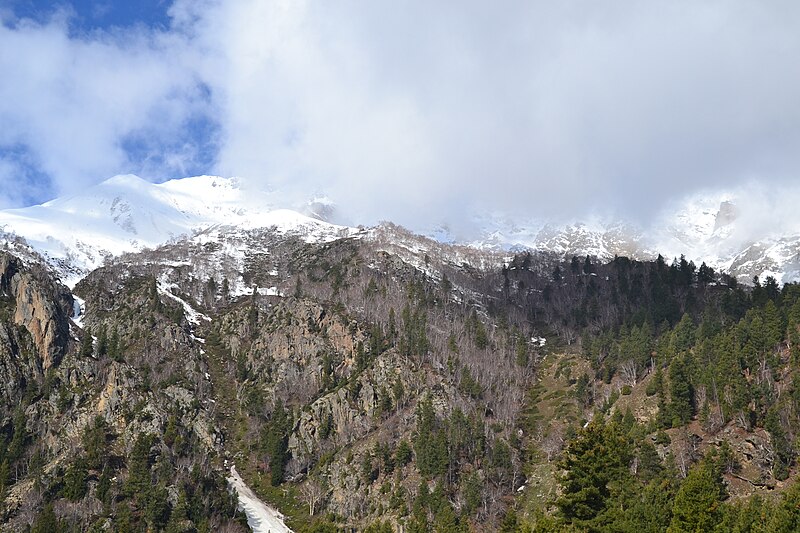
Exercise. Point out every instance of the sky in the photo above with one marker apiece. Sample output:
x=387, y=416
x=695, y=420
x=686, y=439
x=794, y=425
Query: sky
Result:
x=417, y=112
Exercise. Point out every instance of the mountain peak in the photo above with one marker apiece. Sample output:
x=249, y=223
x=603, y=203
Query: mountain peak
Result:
x=126, y=213
x=726, y=215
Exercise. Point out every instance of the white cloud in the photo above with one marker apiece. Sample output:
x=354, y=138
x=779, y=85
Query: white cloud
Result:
x=419, y=111
x=73, y=101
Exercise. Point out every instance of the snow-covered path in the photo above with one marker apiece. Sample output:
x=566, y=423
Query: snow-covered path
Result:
x=260, y=517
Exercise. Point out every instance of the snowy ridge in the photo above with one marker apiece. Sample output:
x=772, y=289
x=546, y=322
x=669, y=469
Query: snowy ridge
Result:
x=744, y=232
x=77, y=234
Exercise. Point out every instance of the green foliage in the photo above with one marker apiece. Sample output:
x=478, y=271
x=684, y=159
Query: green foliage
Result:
x=328, y=378
x=521, y=352
x=477, y=331
x=368, y=471
x=656, y=384
x=87, y=346
x=5, y=475
x=75, y=481
x=19, y=438
x=583, y=391
x=403, y=454
x=327, y=426
x=698, y=503
x=430, y=441
x=684, y=334
x=276, y=443
x=139, y=478
x=594, y=462
x=469, y=385
x=46, y=521
x=94, y=442
x=384, y=402
x=780, y=444
x=414, y=340
x=681, y=404
x=379, y=527
x=156, y=507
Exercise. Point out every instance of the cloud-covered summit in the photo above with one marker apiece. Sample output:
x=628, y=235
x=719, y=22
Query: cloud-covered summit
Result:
x=413, y=111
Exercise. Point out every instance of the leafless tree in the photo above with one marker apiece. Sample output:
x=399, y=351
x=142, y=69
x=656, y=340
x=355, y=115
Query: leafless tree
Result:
x=553, y=442
x=313, y=493
x=630, y=372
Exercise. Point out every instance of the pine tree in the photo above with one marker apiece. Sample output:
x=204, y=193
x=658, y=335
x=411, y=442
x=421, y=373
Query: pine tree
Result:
x=87, y=345
x=780, y=445
x=102, y=343
x=75, y=481
x=430, y=442
x=277, y=443
x=46, y=522
x=594, y=461
x=178, y=516
x=681, y=393
x=139, y=478
x=698, y=503
x=683, y=334
x=785, y=517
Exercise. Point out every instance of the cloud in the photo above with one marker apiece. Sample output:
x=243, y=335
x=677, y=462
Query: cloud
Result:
x=411, y=111
x=73, y=103
x=425, y=112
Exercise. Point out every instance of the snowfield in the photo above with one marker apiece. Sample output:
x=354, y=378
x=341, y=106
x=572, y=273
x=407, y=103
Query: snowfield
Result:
x=260, y=517
x=78, y=233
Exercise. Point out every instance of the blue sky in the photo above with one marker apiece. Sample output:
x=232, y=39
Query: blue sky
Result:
x=92, y=15
x=143, y=150
x=413, y=111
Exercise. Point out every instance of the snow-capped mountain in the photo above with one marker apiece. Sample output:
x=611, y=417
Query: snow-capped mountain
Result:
x=75, y=234
x=126, y=214
x=743, y=233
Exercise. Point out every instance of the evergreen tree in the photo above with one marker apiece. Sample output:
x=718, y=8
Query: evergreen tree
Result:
x=46, y=522
x=139, y=478
x=698, y=503
x=87, y=345
x=785, y=517
x=430, y=443
x=102, y=343
x=276, y=443
x=403, y=453
x=594, y=461
x=681, y=393
x=75, y=481
x=780, y=444
x=683, y=335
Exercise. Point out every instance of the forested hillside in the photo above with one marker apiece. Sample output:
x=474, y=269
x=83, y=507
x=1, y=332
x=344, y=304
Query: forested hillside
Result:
x=392, y=382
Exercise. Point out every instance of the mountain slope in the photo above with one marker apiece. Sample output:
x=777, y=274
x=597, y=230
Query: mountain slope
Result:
x=126, y=214
x=729, y=231
x=76, y=234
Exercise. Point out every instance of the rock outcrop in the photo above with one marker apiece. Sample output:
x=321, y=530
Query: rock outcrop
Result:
x=39, y=305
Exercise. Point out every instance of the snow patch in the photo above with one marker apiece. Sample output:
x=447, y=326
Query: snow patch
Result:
x=192, y=315
x=78, y=310
x=260, y=517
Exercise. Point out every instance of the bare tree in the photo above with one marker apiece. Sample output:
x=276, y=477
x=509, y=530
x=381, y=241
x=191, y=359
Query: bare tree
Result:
x=313, y=493
x=630, y=372
x=553, y=442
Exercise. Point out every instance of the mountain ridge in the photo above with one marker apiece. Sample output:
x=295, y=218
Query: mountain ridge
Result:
x=125, y=213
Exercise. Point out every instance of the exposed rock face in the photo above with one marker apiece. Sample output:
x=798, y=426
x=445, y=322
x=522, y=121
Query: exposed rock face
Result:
x=352, y=416
x=17, y=365
x=40, y=306
x=727, y=215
